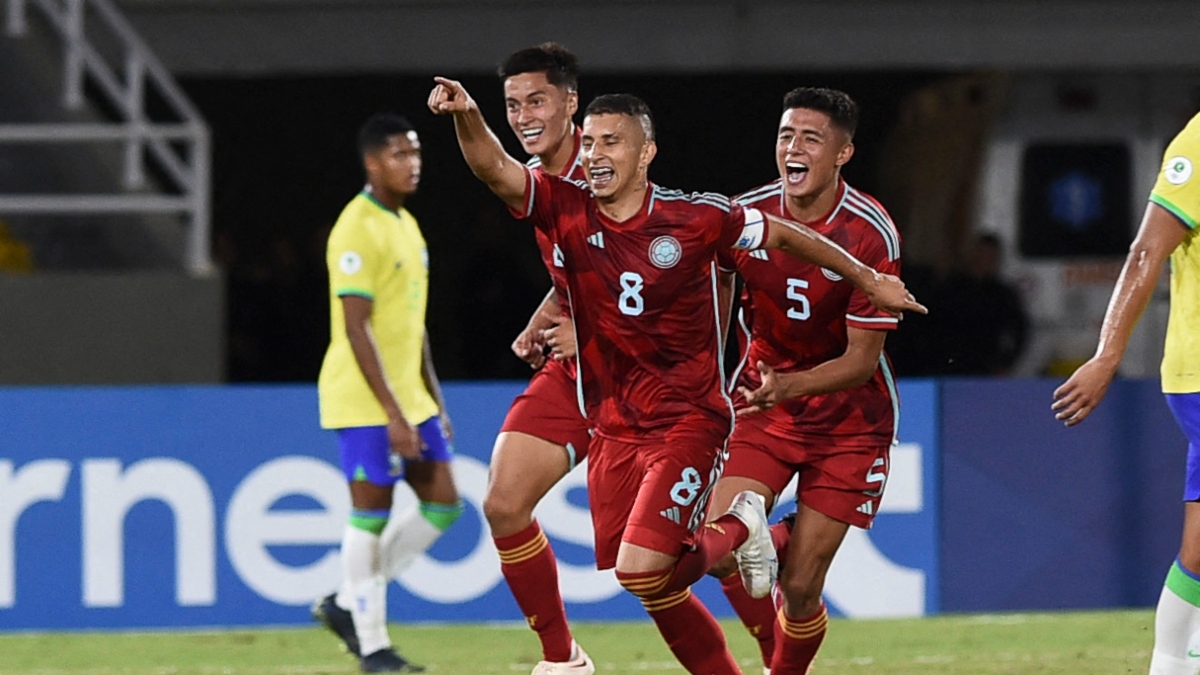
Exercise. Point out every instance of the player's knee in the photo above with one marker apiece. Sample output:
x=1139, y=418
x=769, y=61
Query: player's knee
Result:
x=800, y=591
x=506, y=512
x=647, y=586
x=724, y=567
x=441, y=515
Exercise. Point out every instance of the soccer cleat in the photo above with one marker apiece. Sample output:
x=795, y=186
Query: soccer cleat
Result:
x=756, y=558
x=338, y=620
x=580, y=664
x=387, y=661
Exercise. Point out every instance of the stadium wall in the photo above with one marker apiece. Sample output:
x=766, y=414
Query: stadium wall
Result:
x=147, y=507
x=111, y=328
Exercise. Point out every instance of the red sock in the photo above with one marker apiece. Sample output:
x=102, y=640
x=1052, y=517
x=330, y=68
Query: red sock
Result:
x=781, y=535
x=797, y=642
x=528, y=565
x=758, y=616
x=694, y=636
x=710, y=543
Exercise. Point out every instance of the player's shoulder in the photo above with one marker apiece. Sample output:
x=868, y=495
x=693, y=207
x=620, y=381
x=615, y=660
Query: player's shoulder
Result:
x=867, y=215
x=1188, y=139
x=762, y=197
x=669, y=198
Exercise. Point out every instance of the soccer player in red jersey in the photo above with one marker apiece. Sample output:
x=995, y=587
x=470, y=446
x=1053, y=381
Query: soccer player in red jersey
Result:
x=641, y=279
x=814, y=378
x=544, y=434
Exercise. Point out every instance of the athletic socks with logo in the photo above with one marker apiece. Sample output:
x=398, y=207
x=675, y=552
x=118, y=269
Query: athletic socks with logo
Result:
x=1177, y=625
x=529, y=567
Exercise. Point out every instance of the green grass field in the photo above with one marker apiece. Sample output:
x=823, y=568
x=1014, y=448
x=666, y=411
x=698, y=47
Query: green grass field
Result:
x=1097, y=643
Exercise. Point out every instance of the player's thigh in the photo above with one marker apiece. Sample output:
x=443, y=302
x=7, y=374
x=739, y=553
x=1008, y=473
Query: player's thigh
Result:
x=815, y=540
x=845, y=482
x=1186, y=409
x=758, y=462
x=671, y=501
x=366, y=462
x=548, y=409
x=430, y=476
x=523, y=469
x=615, y=475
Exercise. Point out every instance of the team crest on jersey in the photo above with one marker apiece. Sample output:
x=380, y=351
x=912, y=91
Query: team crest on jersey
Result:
x=665, y=252
x=831, y=275
x=1178, y=170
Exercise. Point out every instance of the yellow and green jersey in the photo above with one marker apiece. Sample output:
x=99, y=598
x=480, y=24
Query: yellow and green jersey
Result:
x=1178, y=191
x=380, y=255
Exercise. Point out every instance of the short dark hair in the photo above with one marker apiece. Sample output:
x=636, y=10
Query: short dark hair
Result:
x=842, y=109
x=556, y=61
x=623, y=104
x=375, y=132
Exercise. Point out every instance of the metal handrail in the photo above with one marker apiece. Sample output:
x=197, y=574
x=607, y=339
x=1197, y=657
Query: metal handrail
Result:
x=187, y=167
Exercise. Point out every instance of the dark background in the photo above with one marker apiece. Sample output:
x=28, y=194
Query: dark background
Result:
x=284, y=165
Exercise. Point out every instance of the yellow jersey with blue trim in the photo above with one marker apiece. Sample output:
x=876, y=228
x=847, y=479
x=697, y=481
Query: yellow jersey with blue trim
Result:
x=1178, y=190
x=380, y=255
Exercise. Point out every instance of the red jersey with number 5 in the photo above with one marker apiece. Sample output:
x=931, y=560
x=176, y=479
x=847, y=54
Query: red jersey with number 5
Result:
x=643, y=295
x=795, y=315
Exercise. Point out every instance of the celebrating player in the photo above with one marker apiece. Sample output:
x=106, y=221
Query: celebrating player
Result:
x=640, y=280
x=544, y=434
x=379, y=391
x=1168, y=230
x=814, y=372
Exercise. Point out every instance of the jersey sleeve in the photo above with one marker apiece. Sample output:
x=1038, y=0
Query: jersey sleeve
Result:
x=544, y=194
x=872, y=250
x=1178, y=187
x=745, y=228
x=353, y=260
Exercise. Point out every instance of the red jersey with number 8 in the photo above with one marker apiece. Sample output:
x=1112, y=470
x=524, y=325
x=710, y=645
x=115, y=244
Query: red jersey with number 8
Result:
x=643, y=297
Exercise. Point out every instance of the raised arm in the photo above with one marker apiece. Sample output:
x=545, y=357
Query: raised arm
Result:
x=885, y=291
x=1159, y=234
x=503, y=174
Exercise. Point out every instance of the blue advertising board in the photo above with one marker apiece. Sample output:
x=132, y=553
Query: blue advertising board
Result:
x=148, y=507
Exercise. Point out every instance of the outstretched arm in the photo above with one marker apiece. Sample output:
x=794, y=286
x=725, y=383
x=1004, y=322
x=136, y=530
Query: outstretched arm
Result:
x=503, y=174
x=885, y=291
x=1159, y=234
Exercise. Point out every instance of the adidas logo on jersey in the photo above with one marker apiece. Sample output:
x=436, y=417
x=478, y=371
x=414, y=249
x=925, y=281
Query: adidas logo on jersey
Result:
x=596, y=239
x=671, y=514
x=760, y=254
x=558, y=256
x=866, y=508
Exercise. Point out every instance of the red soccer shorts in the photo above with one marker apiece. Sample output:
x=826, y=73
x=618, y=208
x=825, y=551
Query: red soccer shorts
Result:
x=651, y=494
x=843, y=481
x=549, y=409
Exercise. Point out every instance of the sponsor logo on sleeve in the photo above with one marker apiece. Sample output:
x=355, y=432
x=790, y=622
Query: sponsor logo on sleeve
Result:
x=1178, y=170
x=350, y=262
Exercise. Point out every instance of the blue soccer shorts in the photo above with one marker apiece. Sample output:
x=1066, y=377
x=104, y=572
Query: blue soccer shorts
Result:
x=367, y=456
x=1186, y=408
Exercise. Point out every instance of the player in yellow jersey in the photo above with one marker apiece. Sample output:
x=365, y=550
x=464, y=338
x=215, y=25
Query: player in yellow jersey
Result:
x=1168, y=229
x=379, y=392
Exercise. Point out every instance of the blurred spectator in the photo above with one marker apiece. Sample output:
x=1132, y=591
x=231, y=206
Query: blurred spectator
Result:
x=981, y=323
x=15, y=255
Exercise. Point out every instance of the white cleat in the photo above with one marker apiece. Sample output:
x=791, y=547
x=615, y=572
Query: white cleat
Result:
x=756, y=558
x=580, y=664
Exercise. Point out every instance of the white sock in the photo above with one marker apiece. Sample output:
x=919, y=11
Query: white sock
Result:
x=1177, y=627
x=364, y=589
x=404, y=540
